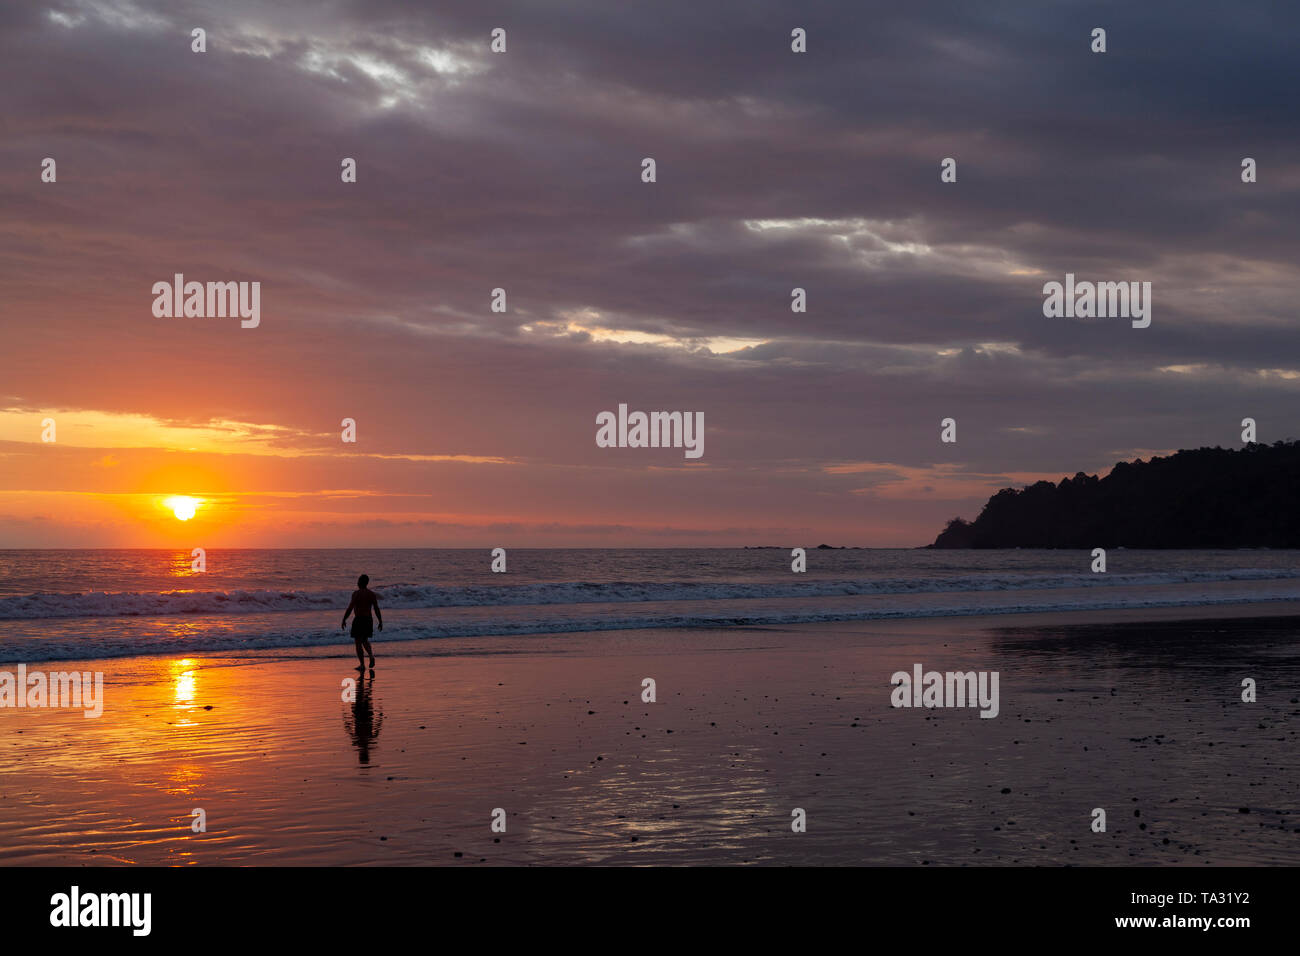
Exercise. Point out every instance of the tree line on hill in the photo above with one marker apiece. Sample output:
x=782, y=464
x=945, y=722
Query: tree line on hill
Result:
x=1200, y=498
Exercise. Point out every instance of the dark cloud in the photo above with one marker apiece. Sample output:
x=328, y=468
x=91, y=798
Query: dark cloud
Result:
x=775, y=170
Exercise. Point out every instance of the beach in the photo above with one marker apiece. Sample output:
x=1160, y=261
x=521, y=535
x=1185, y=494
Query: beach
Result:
x=1136, y=711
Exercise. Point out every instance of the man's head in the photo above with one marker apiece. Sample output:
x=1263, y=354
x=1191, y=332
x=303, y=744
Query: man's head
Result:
x=363, y=580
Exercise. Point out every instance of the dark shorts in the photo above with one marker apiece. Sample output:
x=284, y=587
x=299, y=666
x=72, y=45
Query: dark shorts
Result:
x=362, y=628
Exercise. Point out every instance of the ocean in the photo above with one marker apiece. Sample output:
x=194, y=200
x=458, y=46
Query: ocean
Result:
x=91, y=604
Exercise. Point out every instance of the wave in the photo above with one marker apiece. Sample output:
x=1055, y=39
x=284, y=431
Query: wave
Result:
x=105, y=604
x=232, y=641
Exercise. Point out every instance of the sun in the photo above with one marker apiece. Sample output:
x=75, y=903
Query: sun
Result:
x=183, y=507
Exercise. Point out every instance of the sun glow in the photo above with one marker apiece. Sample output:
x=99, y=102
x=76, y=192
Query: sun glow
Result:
x=183, y=507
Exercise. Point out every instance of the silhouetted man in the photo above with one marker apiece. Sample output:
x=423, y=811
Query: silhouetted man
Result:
x=363, y=599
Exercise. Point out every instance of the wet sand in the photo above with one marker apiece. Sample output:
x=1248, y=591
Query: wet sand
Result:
x=1135, y=712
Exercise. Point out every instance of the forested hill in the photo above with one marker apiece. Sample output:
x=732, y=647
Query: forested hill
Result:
x=1206, y=498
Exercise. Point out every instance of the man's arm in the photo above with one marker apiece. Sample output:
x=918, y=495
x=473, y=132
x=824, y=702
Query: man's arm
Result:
x=374, y=600
x=347, y=612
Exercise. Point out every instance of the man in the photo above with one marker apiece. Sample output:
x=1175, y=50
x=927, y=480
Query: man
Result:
x=363, y=599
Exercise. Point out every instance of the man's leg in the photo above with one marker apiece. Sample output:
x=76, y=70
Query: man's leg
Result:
x=360, y=659
x=368, y=651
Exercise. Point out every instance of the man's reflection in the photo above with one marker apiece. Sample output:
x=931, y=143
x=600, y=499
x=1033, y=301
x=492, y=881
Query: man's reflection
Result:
x=363, y=723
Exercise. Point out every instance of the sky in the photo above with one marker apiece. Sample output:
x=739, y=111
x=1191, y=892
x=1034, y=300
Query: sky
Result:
x=522, y=170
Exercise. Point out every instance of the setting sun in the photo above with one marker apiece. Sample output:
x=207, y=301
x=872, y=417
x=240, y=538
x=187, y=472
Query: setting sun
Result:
x=182, y=506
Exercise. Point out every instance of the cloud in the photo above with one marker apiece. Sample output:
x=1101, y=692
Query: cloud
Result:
x=521, y=171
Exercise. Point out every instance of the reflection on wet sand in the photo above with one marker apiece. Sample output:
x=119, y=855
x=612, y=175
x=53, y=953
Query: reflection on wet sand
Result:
x=361, y=720
x=1142, y=643
x=1145, y=718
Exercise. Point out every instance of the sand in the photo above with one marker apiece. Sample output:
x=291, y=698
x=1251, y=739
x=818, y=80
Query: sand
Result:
x=1136, y=712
